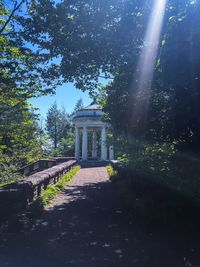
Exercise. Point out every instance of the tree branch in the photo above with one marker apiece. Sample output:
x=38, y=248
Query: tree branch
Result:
x=106, y=77
x=12, y=33
x=16, y=7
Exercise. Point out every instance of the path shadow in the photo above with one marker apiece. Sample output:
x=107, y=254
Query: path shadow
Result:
x=92, y=229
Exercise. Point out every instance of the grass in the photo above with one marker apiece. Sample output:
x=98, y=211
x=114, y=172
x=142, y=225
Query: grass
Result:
x=49, y=194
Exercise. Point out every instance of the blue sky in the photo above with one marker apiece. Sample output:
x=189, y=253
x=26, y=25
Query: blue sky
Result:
x=66, y=96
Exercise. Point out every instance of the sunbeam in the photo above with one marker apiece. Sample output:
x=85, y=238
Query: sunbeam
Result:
x=147, y=60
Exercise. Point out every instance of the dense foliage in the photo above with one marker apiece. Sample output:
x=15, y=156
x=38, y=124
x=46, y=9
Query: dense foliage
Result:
x=19, y=80
x=89, y=38
x=80, y=41
x=162, y=141
x=22, y=76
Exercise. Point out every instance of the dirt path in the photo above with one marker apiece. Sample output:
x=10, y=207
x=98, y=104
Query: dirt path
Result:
x=87, y=227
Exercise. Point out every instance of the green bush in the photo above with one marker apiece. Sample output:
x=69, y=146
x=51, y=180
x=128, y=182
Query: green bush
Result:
x=159, y=182
x=111, y=171
x=8, y=168
x=149, y=159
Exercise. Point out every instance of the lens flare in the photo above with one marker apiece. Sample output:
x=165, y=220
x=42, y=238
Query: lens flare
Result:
x=147, y=60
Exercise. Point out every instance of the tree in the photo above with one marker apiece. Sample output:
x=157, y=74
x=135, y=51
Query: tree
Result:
x=21, y=72
x=57, y=124
x=95, y=37
x=20, y=79
x=79, y=105
x=67, y=144
x=87, y=36
x=173, y=110
x=19, y=139
x=52, y=124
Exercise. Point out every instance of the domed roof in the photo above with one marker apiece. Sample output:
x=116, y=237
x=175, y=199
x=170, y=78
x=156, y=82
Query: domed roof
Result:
x=93, y=111
x=93, y=106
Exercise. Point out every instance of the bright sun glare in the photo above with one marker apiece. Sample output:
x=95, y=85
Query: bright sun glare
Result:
x=149, y=53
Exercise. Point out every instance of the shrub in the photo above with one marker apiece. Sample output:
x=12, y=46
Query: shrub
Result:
x=158, y=181
x=8, y=170
x=111, y=171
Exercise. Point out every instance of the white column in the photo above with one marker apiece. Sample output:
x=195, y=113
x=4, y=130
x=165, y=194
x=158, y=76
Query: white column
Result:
x=77, y=144
x=103, y=144
x=94, y=144
x=85, y=144
x=111, y=153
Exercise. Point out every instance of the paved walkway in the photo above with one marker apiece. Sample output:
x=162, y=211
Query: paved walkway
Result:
x=86, y=226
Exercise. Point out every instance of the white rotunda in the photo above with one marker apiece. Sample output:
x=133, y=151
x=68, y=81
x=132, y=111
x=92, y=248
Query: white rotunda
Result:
x=89, y=121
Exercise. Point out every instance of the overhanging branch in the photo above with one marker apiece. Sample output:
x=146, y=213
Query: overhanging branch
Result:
x=16, y=7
